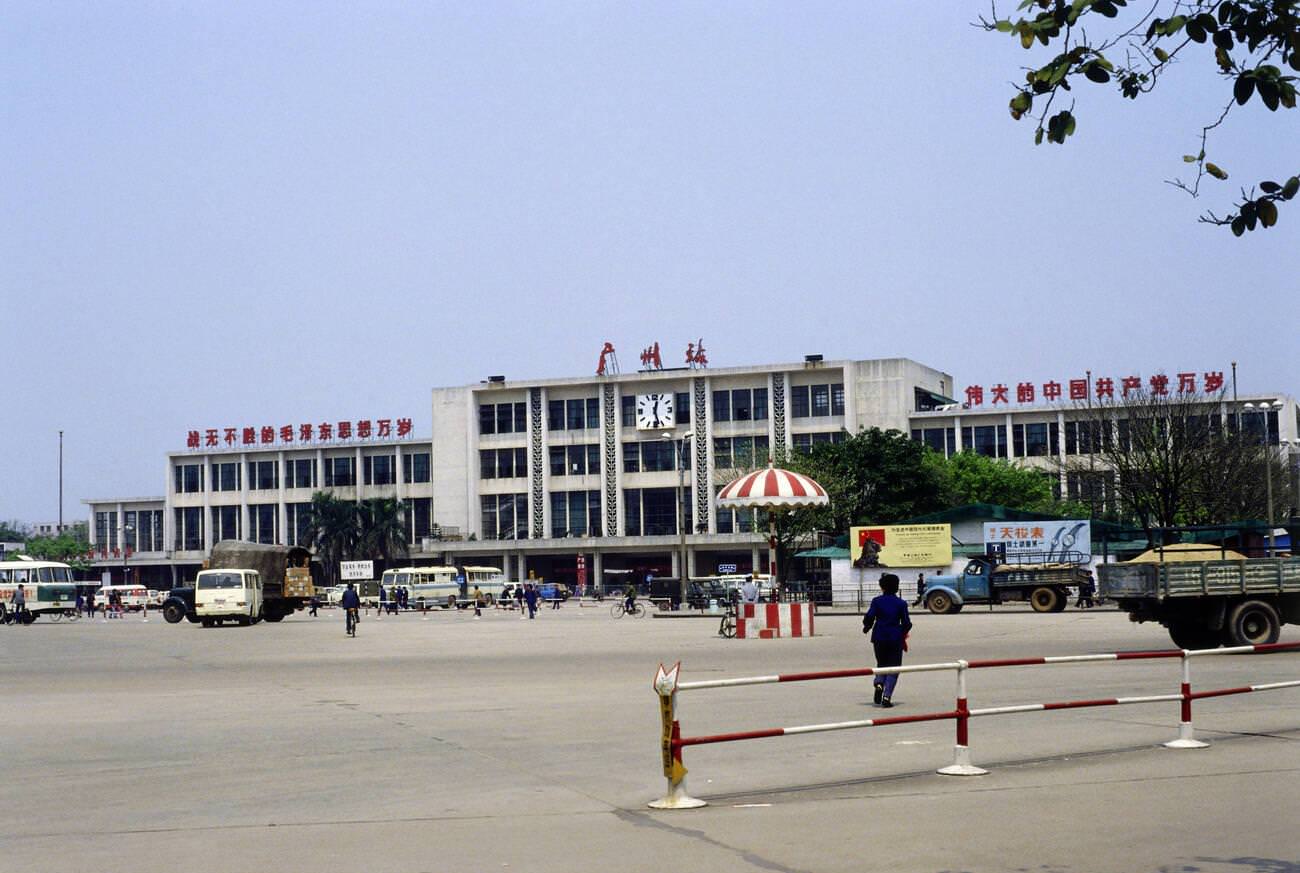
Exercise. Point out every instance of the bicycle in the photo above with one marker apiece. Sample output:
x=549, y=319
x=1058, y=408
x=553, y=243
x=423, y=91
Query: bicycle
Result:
x=351, y=617
x=69, y=614
x=727, y=627
x=618, y=610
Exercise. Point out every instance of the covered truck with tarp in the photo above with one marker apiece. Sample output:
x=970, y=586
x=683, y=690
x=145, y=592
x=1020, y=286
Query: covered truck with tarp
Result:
x=285, y=572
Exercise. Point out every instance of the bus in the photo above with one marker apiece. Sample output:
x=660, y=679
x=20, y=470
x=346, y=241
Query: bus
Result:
x=48, y=586
x=432, y=585
x=490, y=580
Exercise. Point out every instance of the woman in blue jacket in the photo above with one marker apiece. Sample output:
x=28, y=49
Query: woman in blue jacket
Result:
x=888, y=623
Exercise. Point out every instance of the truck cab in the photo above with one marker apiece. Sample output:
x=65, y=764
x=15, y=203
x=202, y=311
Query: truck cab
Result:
x=949, y=593
x=228, y=595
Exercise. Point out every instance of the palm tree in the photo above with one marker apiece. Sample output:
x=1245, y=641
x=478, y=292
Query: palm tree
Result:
x=382, y=529
x=334, y=530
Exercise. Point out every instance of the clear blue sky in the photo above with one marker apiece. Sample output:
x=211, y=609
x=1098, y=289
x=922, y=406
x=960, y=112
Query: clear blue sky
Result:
x=257, y=213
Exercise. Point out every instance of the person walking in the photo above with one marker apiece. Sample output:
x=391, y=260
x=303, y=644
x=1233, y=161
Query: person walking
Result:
x=90, y=603
x=920, y=589
x=888, y=623
x=478, y=602
x=1085, y=595
x=519, y=599
x=530, y=597
x=315, y=605
x=20, y=605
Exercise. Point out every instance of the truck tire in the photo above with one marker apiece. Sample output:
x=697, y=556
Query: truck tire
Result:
x=1252, y=623
x=1045, y=599
x=1193, y=635
x=173, y=612
x=940, y=603
x=1062, y=601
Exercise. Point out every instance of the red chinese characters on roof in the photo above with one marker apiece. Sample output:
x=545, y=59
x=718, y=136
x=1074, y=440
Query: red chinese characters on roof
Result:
x=1100, y=388
x=288, y=434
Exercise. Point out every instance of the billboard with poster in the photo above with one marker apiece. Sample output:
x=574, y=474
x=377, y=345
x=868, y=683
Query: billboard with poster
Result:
x=901, y=545
x=1041, y=542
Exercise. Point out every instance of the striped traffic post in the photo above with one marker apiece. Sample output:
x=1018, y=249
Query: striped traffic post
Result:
x=676, y=797
x=1186, y=739
x=961, y=765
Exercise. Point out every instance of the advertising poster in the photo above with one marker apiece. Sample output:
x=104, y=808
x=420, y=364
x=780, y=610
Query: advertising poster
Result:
x=901, y=545
x=1041, y=542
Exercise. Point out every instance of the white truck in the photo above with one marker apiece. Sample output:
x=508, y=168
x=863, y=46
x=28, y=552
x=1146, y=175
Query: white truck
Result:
x=1205, y=604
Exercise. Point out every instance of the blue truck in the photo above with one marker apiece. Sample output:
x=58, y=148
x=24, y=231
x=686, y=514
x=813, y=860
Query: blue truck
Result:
x=1046, y=587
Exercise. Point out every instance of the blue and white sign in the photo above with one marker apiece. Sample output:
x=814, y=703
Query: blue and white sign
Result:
x=1041, y=542
x=726, y=568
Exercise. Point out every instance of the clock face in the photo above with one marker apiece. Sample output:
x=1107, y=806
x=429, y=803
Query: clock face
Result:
x=654, y=411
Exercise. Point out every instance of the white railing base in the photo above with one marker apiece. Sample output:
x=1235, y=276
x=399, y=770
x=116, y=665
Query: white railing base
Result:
x=961, y=765
x=1185, y=739
x=677, y=798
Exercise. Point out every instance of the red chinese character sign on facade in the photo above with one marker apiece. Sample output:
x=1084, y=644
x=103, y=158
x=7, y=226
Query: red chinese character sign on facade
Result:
x=650, y=359
x=287, y=434
x=1085, y=390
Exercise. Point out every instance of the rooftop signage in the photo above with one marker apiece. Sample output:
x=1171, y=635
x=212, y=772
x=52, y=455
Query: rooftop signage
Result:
x=696, y=358
x=351, y=430
x=1100, y=388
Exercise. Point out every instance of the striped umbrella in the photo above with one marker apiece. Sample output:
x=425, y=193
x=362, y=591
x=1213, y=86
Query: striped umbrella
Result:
x=775, y=490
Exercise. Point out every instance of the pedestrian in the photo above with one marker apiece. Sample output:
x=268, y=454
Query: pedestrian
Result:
x=920, y=589
x=383, y=599
x=1085, y=595
x=315, y=605
x=478, y=602
x=560, y=591
x=888, y=623
x=519, y=599
x=530, y=597
x=81, y=603
x=90, y=604
x=20, y=605
x=749, y=590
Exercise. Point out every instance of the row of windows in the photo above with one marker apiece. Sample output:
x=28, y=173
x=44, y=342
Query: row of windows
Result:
x=301, y=473
x=582, y=414
x=740, y=404
x=263, y=524
x=575, y=513
x=502, y=463
x=142, y=530
x=654, y=511
x=578, y=460
x=651, y=456
x=502, y=418
x=739, y=452
x=803, y=442
x=816, y=401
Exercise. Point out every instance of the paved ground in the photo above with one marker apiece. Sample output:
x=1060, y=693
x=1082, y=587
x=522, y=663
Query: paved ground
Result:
x=500, y=744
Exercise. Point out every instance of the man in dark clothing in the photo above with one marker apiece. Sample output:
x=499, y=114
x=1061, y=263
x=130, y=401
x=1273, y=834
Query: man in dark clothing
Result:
x=530, y=597
x=888, y=623
x=351, y=603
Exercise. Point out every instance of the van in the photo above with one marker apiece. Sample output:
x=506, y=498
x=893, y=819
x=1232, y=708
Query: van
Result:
x=133, y=596
x=228, y=595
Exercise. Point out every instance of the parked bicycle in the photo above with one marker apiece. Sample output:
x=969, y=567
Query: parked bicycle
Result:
x=727, y=627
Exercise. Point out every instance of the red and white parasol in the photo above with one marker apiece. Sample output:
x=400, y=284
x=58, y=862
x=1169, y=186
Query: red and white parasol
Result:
x=775, y=490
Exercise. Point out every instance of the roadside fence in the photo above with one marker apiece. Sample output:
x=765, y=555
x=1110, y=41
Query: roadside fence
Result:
x=667, y=687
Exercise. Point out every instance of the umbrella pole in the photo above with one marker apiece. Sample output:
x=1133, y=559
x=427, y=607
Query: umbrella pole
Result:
x=771, y=548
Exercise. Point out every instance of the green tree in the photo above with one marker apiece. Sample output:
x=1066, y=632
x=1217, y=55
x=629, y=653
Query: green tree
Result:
x=334, y=530
x=974, y=478
x=69, y=547
x=1251, y=44
x=382, y=523
x=13, y=531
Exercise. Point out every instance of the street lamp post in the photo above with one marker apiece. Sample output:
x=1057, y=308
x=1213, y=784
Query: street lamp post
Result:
x=680, y=459
x=1264, y=406
x=127, y=529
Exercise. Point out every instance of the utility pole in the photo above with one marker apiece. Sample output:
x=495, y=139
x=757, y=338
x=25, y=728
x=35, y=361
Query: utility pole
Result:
x=60, y=530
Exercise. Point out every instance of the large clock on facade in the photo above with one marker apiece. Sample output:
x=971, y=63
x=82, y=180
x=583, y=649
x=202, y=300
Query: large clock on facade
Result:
x=654, y=411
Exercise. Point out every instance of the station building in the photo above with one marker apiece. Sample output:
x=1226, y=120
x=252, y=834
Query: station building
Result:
x=598, y=478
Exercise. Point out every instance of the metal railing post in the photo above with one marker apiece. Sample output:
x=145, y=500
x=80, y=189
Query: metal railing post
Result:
x=1186, y=739
x=961, y=765
x=665, y=686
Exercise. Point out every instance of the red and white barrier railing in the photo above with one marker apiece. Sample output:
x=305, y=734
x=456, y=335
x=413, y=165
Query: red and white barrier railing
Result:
x=667, y=686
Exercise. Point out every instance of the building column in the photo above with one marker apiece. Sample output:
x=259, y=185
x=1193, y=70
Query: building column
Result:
x=1011, y=438
x=244, y=529
x=753, y=559
x=281, y=510
x=597, y=580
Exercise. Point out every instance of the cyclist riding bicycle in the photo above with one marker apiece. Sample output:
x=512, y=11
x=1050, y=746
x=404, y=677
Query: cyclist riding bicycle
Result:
x=629, y=600
x=351, y=603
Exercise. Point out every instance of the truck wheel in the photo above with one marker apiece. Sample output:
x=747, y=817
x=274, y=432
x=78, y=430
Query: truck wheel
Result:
x=1193, y=635
x=273, y=616
x=1044, y=599
x=173, y=612
x=1062, y=600
x=939, y=603
x=1252, y=623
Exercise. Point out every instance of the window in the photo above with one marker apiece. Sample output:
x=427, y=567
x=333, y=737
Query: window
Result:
x=379, y=469
x=189, y=528
x=225, y=477
x=740, y=404
x=129, y=531
x=340, y=472
x=815, y=401
x=651, y=456
x=739, y=452
x=1082, y=437
x=575, y=513
x=225, y=523
x=300, y=473
x=262, y=519
x=682, y=408
x=1031, y=440
x=722, y=406
x=189, y=478
x=580, y=414
x=149, y=532
x=502, y=463
x=261, y=476
x=579, y=460
x=298, y=522
x=803, y=442
x=987, y=440
x=738, y=520
x=652, y=511
x=502, y=418
x=939, y=439
x=106, y=530
x=627, y=410
x=415, y=468
x=504, y=516
x=419, y=518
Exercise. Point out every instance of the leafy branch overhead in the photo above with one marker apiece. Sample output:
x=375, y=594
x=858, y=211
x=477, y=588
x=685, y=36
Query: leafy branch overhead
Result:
x=1254, y=46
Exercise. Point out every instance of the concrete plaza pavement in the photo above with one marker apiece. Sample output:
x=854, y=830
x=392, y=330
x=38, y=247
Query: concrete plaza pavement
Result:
x=456, y=744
